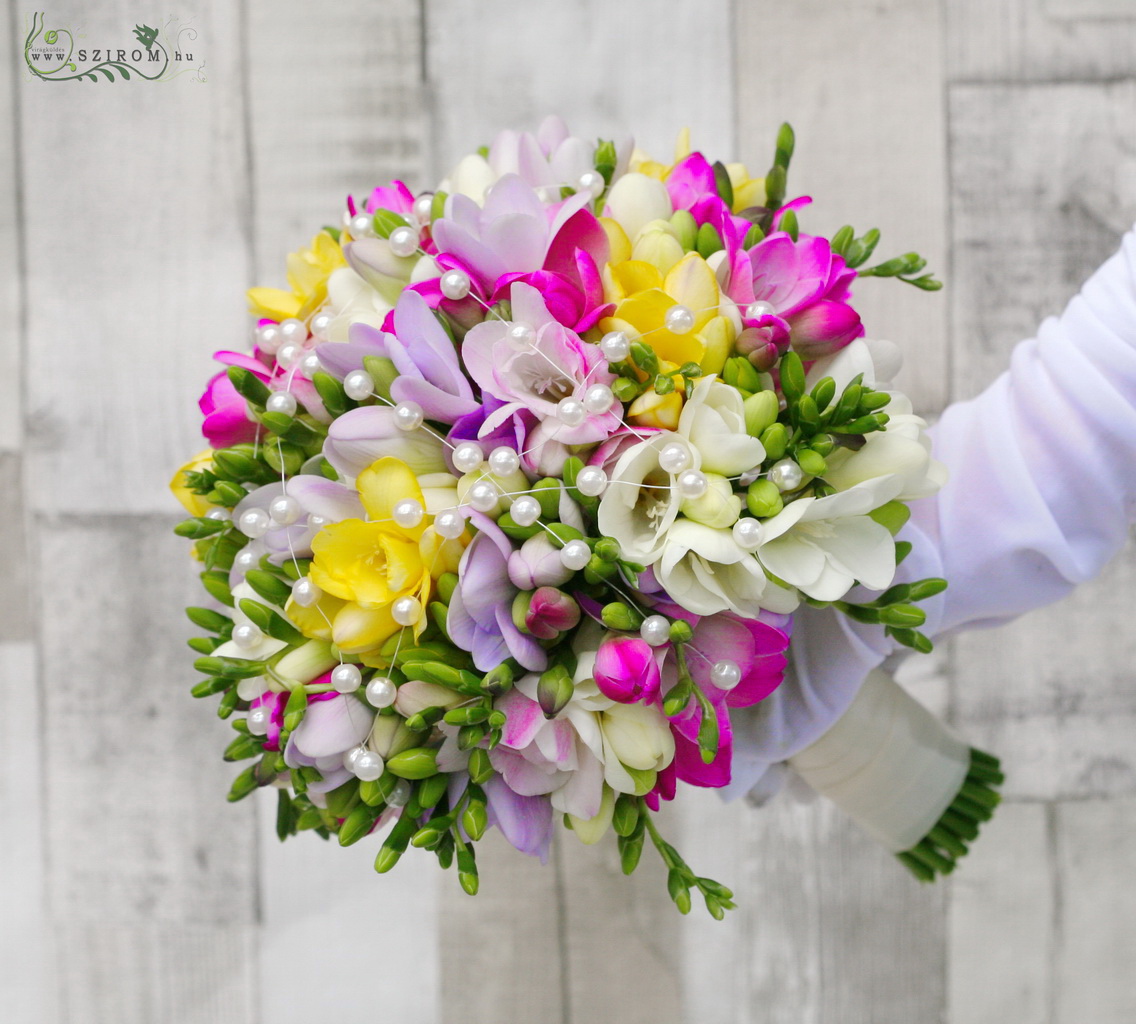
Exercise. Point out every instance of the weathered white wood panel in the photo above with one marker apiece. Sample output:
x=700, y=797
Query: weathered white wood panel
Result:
x=641, y=67
x=335, y=107
x=1002, y=918
x=15, y=601
x=1027, y=41
x=1097, y=902
x=1043, y=185
x=11, y=281
x=26, y=939
x=126, y=302
x=862, y=85
x=150, y=870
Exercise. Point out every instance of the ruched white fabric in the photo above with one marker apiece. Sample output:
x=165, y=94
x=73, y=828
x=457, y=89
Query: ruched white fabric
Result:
x=1042, y=488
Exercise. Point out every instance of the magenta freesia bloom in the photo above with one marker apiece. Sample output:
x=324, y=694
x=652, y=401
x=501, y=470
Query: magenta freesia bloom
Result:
x=626, y=670
x=275, y=702
x=550, y=613
x=225, y=410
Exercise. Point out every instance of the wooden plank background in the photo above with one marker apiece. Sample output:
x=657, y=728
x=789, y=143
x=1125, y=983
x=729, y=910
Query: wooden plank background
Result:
x=996, y=136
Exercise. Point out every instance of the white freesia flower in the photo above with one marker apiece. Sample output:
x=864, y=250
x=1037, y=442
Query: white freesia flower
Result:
x=705, y=571
x=713, y=421
x=351, y=300
x=823, y=546
x=472, y=177
x=636, y=200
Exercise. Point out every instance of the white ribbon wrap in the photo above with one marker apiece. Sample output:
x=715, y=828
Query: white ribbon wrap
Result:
x=888, y=763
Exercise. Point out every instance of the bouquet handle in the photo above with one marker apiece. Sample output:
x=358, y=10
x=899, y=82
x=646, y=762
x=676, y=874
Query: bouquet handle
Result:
x=904, y=777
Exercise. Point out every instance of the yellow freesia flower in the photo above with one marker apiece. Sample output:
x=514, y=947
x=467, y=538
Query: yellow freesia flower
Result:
x=308, y=271
x=364, y=566
x=642, y=297
x=195, y=504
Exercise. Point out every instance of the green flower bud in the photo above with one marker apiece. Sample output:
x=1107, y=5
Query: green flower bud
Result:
x=681, y=633
x=197, y=527
x=416, y=763
x=243, y=784
x=230, y=668
x=686, y=229
x=383, y=373
x=357, y=824
x=269, y=586
x=761, y=411
x=608, y=549
x=386, y=221
x=709, y=241
x=823, y=393
x=217, y=585
x=498, y=679
x=285, y=457
x=547, y=492
x=810, y=462
x=625, y=816
x=822, y=444
x=621, y=617
x=210, y=686
x=775, y=440
x=206, y=618
x=630, y=849
x=763, y=499
x=554, y=690
x=480, y=767
x=475, y=818
x=248, y=385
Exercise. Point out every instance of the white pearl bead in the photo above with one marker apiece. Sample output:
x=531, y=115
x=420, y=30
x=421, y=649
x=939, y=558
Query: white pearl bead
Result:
x=381, y=692
x=284, y=510
x=468, y=457
x=245, y=560
x=748, y=534
x=358, y=385
x=408, y=415
x=294, y=329
x=575, y=555
x=281, y=401
x=504, y=461
x=351, y=756
x=318, y=522
x=254, y=522
x=656, y=630
x=288, y=353
x=362, y=226
x=591, y=182
x=455, y=284
x=449, y=524
x=320, y=324
x=406, y=611
x=674, y=457
x=369, y=766
x=691, y=484
x=258, y=719
x=304, y=592
x=483, y=496
x=756, y=310
x=424, y=208
x=221, y=515
x=786, y=475
x=408, y=513
x=525, y=510
x=404, y=241
x=310, y=365
x=571, y=412
x=615, y=345
x=399, y=795
x=726, y=674
x=346, y=678
x=592, y=481
x=246, y=635
x=521, y=335
x=679, y=320
x=598, y=399
x=268, y=337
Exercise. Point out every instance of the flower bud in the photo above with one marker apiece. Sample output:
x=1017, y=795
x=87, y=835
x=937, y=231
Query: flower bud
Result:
x=416, y=763
x=550, y=613
x=763, y=499
x=719, y=507
x=658, y=245
x=304, y=663
x=537, y=564
x=635, y=200
x=554, y=690
x=760, y=412
x=626, y=671
x=620, y=616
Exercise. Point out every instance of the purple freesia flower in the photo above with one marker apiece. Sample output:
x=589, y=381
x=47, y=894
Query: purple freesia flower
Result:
x=480, y=618
x=333, y=724
x=525, y=821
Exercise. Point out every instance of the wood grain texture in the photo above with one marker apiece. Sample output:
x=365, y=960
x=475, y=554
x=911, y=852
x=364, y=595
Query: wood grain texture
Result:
x=151, y=870
x=830, y=929
x=1097, y=911
x=26, y=936
x=1027, y=41
x=610, y=70
x=376, y=935
x=1002, y=919
x=868, y=115
x=11, y=281
x=336, y=105
x=1043, y=186
x=15, y=595
x=126, y=305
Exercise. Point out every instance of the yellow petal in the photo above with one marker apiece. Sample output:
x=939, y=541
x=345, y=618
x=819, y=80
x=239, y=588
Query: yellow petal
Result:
x=272, y=303
x=682, y=144
x=315, y=621
x=340, y=551
x=646, y=311
x=357, y=629
x=658, y=246
x=383, y=484
x=403, y=564
x=749, y=193
x=717, y=339
x=440, y=555
x=692, y=283
x=617, y=240
x=627, y=278
x=194, y=504
x=651, y=410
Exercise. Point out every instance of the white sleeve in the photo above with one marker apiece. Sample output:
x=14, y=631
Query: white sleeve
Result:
x=1041, y=491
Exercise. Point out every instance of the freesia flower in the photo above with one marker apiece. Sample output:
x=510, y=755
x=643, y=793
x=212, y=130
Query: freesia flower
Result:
x=361, y=436
x=537, y=564
x=225, y=410
x=194, y=504
x=308, y=271
x=626, y=670
x=550, y=612
x=364, y=566
x=332, y=725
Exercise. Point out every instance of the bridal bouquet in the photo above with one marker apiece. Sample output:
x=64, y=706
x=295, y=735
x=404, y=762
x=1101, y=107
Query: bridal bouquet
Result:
x=507, y=512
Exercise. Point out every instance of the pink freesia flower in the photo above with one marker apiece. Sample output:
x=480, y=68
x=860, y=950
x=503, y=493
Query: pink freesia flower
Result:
x=395, y=197
x=808, y=287
x=550, y=613
x=626, y=670
x=225, y=411
x=275, y=702
x=533, y=380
